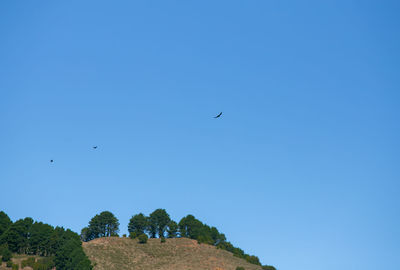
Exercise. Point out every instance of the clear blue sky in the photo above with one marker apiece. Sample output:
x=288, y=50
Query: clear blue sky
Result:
x=302, y=169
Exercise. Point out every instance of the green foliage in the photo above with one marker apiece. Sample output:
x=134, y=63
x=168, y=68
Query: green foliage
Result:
x=16, y=267
x=137, y=225
x=5, y=222
x=142, y=238
x=216, y=236
x=39, y=264
x=193, y=228
x=240, y=268
x=85, y=234
x=190, y=227
x=124, y=235
x=239, y=253
x=44, y=264
x=2, y=247
x=61, y=247
x=252, y=259
x=6, y=255
x=158, y=221
x=151, y=229
x=9, y=263
x=103, y=225
x=235, y=250
x=172, y=230
x=71, y=255
x=268, y=267
x=134, y=235
x=28, y=262
x=17, y=236
x=39, y=238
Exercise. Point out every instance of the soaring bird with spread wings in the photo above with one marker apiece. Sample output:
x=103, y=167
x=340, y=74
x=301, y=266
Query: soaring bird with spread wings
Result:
x=218, y=115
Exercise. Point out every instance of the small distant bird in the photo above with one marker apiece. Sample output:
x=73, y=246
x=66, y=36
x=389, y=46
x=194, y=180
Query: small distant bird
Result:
x=94, y=147
x=51, y=160
x=218, y=115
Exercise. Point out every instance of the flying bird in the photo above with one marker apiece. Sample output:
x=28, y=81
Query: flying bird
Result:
x=51, y=160
x=94, y=147
x=218, y=115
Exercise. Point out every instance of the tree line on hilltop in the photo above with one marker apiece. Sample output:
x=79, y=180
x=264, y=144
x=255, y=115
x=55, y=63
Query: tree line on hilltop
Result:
x=62, y=248
x=159, y=225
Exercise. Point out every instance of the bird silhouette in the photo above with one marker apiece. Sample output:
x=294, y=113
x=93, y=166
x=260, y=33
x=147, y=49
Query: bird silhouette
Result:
x=218, y=115
x=94, y=147
x=51, y=160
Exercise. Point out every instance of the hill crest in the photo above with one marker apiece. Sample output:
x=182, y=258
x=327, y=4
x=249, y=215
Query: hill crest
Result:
x=111, y=253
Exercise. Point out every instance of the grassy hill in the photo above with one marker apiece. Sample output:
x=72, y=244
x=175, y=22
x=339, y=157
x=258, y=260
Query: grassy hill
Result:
x=175, y=254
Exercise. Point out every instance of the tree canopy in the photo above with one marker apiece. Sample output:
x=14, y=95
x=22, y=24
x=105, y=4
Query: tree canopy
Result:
x=172, y=230
x=61, y=247
x=193, y=228
x=138, y=224
x=5, y=222
x=104, y=224
x=158, y=221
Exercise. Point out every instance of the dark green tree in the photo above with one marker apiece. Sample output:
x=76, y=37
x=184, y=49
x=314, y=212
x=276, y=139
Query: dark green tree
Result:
x=216, y=236
x=70, y=254
x=103, y=225
x=158, y=221
x=5, y=222
x=39, y=238
x=172, y=230
x=193, y=228
x=57, y=239
x=151, y=228
x=17, y=236
x=85, y=234
x=2, y=247
x=28, y=237
x=6, y=255
x=190, y=227
x=137, y=225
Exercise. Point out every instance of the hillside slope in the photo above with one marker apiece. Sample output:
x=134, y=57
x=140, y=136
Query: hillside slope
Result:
x=176, y=254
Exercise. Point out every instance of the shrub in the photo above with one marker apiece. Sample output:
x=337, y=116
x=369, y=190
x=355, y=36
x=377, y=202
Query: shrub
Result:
x=15, y=267
x=142, y=238
x=162, y=239
x=268, y=267
x=124, y=235
x=6, y=255
x=253, y=259
x=240, y=268
x=44, y=264
x=133, y=235
x=9, y=264
x=28, y=262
